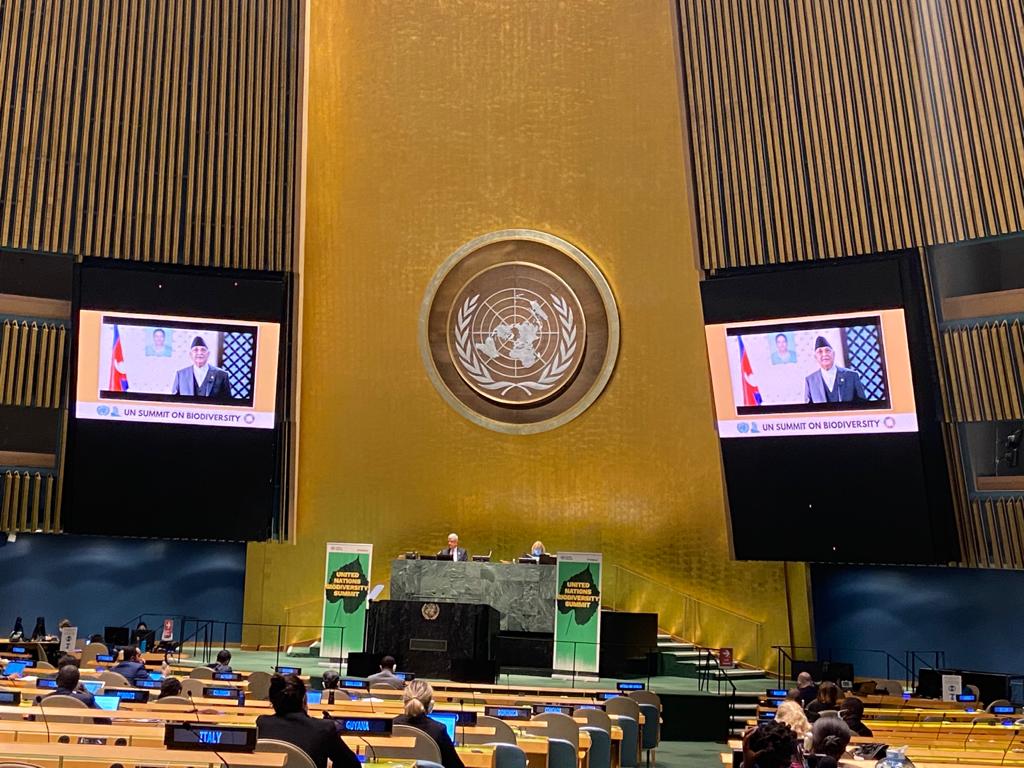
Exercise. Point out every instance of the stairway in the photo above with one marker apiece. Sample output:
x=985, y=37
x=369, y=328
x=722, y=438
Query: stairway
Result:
x=742, y=710
x=686, y=660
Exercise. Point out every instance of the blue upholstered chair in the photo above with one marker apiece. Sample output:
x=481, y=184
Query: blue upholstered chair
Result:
x=561, y=754
x=600, y=746
x=508, y=756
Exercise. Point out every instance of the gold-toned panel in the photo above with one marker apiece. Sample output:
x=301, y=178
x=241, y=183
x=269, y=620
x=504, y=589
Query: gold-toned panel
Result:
x=26, y=502
x=821, y=130
x=430, y=124
x=996, y=530
x=983, y=362
x=30, y=364
x=151, y=130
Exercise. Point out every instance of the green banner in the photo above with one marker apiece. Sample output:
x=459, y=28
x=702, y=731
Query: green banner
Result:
x=346, y=583
x=578, y=614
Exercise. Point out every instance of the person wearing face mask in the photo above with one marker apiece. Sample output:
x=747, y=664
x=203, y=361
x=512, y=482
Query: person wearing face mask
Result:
x=538, y=553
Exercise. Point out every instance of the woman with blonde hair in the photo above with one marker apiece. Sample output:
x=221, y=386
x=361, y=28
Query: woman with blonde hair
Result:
x=418, y=699
x=792, y=714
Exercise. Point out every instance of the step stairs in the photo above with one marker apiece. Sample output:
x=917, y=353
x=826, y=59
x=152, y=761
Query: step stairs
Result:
x=742, y=710
x=687, y=660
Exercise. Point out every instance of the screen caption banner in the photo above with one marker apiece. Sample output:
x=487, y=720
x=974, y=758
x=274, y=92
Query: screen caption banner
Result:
x=346, y=585
x=824, y=424
x=174, y=414
x=577, y=647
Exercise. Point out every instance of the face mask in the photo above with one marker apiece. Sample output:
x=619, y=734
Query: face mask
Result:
x=537, y=551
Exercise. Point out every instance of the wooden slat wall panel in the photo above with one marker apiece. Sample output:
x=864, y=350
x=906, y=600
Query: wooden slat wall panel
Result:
x=151, y=130
x=984, y=364
x=995, y=535
x=828, y=129
x=27, y=502
x=31, y=364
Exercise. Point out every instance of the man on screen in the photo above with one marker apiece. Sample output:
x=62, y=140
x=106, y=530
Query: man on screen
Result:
x=202, y=379
x=830, y=383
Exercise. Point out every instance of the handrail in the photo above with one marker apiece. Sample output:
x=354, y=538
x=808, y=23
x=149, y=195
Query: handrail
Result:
x=745, y=633
x=908, y=664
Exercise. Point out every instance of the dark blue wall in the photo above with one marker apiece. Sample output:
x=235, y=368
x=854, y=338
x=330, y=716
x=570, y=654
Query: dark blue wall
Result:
x=970, y=614
x=97, y=581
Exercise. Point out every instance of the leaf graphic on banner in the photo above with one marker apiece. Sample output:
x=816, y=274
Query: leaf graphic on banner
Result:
x=348, y=585
x=580, y=596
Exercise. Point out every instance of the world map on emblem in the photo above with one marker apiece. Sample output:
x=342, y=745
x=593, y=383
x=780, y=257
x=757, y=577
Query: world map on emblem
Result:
x=517, y=333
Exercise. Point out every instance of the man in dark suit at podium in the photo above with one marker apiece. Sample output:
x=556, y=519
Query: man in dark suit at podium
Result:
x=453, y=551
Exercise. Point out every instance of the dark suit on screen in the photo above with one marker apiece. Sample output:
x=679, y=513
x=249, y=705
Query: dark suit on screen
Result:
x=847, y=389
x=317, y=738
x=216, y=385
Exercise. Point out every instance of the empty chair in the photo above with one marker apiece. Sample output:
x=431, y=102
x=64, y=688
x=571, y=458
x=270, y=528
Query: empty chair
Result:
x=425, y=748
x=91, y=651
x=623, y=705
x=175, y=700
x=192, y=688
x=201, y=673
x=600, y=747
x=294, y=756
x=998, y=703
x=115, y=679
x=646, y=697
x=259, y=685
x=629, y=751
x=596, y=718
x=503, y=732
x=559, y=726
x=893, y=687
x=650, y=731
x=968, y=688
x=510, y=755
x=45, y=665
x=561, y=754
x=60, y=700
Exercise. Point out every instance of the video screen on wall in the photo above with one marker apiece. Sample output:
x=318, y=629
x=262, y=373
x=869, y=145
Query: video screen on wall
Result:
x=177, y=370
x=827, y=409
x=178, y=395
x=815, y=375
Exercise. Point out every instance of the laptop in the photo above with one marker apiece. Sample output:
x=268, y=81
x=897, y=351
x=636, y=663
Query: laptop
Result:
x=449, y=720
x=94, y=686
x=107, y=702
x=14, y=668
x=314, y=697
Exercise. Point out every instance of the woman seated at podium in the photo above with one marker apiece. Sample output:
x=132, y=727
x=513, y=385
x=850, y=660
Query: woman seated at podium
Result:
x=419, y=701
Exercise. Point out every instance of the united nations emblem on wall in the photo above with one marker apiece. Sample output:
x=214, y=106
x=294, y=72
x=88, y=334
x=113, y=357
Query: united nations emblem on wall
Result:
x=430, y=611
x=519, y=331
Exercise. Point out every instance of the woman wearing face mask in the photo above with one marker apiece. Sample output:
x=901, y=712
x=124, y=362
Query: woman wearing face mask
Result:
x=537, y=550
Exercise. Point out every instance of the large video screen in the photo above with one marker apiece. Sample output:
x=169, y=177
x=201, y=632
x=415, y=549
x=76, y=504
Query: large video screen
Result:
x=178, y=393
x=819, y=375
x=176, y=370
x=826, y=399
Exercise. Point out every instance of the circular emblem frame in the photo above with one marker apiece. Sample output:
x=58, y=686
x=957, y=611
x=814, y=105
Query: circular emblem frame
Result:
x=519, y=331
x=430, y=611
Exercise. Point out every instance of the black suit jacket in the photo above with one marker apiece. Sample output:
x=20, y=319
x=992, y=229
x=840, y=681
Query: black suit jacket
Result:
x=317, y=738
x=460, y=555
x=131, y=670
x=449, y=757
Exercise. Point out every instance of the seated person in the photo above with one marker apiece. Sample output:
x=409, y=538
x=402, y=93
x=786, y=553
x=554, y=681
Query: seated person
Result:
x=769, y=745
x=223, y=663
x=806, y=687
x=330, y=682
x=828, y=698
x=792, y=714
x=453, y=550
x=131, y=666
x=317, y=738
x=852, y=710
x=386, y=677
x=171, y=686
x=66, y=659
x=537, y=550
x=67, y=685
x=829, y=739
x=419, y=700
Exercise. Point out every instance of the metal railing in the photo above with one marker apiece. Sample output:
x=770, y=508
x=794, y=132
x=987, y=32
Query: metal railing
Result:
x=905, y=670
x=683, y=615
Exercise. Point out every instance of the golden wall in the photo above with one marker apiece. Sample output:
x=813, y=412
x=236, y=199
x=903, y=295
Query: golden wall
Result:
x=430, y=123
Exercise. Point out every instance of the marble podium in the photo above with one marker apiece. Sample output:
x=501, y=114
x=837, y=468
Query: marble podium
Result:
x=523, y=594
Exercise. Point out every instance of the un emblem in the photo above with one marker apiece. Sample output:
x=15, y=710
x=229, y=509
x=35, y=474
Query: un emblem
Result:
x=519, y=331
x=430, y=611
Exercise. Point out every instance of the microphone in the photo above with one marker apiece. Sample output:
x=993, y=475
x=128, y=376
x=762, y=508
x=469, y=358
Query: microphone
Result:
x=195, y=709
x=42, y=713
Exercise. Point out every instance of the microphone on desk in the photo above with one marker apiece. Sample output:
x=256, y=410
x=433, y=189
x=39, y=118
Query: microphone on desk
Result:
x=195, y=709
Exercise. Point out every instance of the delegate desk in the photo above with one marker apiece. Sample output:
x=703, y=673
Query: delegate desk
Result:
x=524, y=595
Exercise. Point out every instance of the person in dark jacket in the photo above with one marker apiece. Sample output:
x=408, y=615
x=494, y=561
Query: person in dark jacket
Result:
x=419, y=700
x=67, y=685
x=852, y=711
x=828, y=698
x=806, y=688
x=317, y=738
x=131, y=667
x=223, y=663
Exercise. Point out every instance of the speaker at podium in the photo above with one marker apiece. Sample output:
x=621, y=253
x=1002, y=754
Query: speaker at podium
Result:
x=453, y=641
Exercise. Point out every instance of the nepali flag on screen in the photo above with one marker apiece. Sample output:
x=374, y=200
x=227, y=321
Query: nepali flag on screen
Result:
x=751, y=395
x=118, y=378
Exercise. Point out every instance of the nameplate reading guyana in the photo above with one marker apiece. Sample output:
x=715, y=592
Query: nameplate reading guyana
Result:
x=519, y=331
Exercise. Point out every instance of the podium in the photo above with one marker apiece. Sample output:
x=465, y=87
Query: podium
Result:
x=453, y=641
